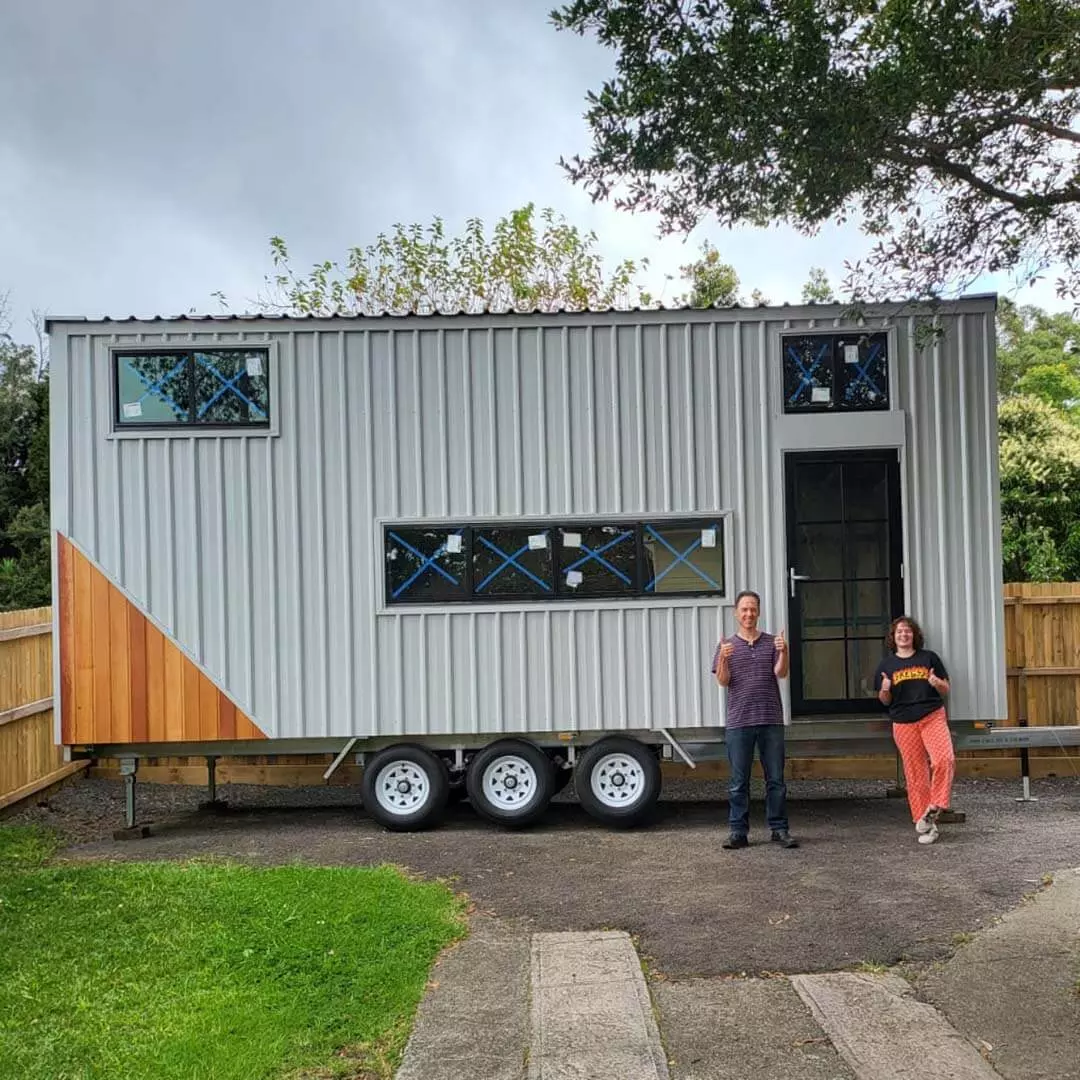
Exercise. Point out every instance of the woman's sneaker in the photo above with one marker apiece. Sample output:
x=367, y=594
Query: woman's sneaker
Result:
x=929, y=836
x=927, y=822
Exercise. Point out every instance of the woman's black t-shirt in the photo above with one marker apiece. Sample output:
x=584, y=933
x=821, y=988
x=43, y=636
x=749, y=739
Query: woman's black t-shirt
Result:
x=912, y=695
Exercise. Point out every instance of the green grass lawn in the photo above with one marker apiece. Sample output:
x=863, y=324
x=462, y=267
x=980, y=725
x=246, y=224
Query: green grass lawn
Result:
x=208, y=972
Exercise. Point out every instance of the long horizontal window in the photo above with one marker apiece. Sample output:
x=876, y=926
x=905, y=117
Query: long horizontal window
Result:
x=561, y=560
x=192, y=387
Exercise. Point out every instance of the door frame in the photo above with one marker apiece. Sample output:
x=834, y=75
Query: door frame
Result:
x=892, y=457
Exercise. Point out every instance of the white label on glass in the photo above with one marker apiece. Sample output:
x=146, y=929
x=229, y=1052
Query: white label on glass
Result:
x=574, y=578
x=132, y=410
x=851, y=354
x=571, y=540
x=821, y=395
x=254, y=365
x=708, y=538
x=537, y=541
x=453, y=543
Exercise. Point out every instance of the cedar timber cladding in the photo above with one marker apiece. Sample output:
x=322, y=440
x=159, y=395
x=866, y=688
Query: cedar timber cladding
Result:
x=122, y=680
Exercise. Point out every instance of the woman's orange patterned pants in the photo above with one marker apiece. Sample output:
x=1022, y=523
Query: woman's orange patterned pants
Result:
x=929, y=762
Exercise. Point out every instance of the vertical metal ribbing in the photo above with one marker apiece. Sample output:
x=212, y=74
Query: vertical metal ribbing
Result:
x=743, y=538
x=515, y=397
x=590, y=421
x=691, y=427
x=223, y=610
x=467, y=388
x=493, y=416
x=449, y=721
x=767, y=588
x=195, y=539
x=474, y=697
x=91, y=456
x=598, y=666
x=392, y=413
x=568, y=505
x=144, y=495
x=571, y=639
x=616, y=421
x=275, y=583
x=541, y=412
x=965, y=483
x=118, y=500
x=370, y=511
x=399, y=679
x=665, y=418
x=300, y=629
x=320, y=535
x=639, y=371
x=345, y=495
x=444, y=435
x=420, y=505
x=913, y=583
x=422, y=675
x=939, y=478
x=624, y=670
x=249, y=574
x=549, y=677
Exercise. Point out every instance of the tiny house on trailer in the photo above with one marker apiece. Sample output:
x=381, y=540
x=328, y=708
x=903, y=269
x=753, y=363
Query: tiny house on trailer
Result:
x=482, y=551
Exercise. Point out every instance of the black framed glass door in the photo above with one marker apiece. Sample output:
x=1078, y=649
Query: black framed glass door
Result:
x=844, y=575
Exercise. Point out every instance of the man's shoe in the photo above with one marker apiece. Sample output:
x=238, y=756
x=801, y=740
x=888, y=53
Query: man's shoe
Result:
x=735, y=841
x=784, y=838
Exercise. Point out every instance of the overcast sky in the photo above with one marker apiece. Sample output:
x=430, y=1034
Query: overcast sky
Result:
x=149, y=150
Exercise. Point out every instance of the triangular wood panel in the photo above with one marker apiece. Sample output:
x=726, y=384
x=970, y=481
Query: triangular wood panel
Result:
x=121, y=679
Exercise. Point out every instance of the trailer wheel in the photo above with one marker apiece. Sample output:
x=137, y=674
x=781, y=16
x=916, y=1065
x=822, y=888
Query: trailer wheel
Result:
x=405, y=788
x=618, y=781
x=510, y=782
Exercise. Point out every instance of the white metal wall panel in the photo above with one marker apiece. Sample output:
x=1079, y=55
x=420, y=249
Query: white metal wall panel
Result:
x=261, y=557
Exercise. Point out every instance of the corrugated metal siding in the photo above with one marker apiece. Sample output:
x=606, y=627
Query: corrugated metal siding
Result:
x=260, y=555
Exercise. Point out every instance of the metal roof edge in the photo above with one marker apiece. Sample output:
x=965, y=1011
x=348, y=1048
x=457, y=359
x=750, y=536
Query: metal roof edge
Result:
x=813, y=310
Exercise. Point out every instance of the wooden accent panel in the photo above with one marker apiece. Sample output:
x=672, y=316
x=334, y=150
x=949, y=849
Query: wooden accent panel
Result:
x=123, y=681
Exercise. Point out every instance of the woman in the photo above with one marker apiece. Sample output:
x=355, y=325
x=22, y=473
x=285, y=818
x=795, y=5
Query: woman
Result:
x=912, y=682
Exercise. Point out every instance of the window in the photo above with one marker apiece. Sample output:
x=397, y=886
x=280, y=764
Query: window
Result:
x=553, y=561
x=835, y=372
x=192, y=387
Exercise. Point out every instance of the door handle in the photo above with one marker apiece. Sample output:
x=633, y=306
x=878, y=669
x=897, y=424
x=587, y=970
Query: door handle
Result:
x=793, y=577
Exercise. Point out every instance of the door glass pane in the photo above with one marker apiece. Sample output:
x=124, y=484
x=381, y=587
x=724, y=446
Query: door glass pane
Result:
x=864, y=655
x=821, y=609
x=818, y=550
x=868, y=549
x=823, y=670
x=866, y=491
x=867, y=608
x=817, y=492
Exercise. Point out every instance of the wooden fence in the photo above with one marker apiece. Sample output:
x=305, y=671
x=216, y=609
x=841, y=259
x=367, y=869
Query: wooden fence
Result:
x=1042, y=644
x=29, y=759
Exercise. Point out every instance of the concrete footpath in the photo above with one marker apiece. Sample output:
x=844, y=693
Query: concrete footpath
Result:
x=510, y=1005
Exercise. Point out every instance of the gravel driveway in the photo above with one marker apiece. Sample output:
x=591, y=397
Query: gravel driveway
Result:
x=859, y=889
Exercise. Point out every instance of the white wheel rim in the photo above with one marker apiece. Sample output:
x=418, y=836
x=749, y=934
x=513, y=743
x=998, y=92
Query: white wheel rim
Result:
x=402, y=787
x=617, y=780
x=510, y=782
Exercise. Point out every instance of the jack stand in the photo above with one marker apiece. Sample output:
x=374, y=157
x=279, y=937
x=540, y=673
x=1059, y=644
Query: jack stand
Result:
x=214, y=805
x=1025, y=778
x=128, y=768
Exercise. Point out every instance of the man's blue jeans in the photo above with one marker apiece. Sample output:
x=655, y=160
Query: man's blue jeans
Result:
x=740, y=742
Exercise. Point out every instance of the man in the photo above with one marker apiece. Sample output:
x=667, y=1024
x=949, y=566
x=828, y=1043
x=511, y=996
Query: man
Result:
x=750, y=665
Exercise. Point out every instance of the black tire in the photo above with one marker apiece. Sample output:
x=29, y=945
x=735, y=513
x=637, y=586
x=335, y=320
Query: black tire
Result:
x=627, y=777
x=422, y=806
x=510, y=782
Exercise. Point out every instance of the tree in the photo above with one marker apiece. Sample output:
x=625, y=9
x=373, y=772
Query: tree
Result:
x=948, y=127
x=817, y=289
x=25, y=565
x=713, y=283
x=522, y=265
x=1039, y=354
x=1040, y=491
